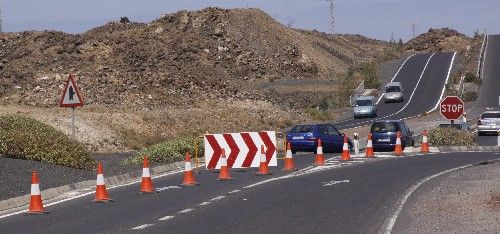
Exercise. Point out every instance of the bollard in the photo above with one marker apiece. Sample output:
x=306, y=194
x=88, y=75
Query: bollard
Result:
x=498, y=139
x=356, y=143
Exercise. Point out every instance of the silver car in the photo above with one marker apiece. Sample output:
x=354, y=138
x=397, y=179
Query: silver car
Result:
x=489, y=122
x=364, y=106
x=393, y=92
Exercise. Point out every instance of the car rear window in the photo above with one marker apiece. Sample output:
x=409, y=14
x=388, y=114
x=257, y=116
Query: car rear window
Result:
x=363, y=102
x=302, y=129
x=490, y=116
x=384, y=127
x=393, y=89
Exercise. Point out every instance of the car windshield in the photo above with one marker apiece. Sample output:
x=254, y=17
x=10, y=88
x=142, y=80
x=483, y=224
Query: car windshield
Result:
x=393, y=89
x=301, y=129
x=384, y=127
x=363, y=102
x=490, y=116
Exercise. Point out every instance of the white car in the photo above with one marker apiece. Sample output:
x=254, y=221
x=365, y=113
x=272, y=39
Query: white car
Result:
x=393, y=92
x=488, y=122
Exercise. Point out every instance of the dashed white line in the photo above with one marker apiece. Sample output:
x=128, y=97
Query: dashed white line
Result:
x=185, y=211
x=166, y=218
x=217, y=198
x=330, y=183
x=204, y=203
x=235, y=191
x=142, y=226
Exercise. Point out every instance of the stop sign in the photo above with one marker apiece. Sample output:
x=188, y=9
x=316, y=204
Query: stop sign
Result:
x=452, y=107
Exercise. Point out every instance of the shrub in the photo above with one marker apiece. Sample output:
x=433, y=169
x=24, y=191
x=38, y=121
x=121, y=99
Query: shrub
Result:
x=168, y=151
x=450, y=136
x=369, y=74
x=468, y=96
x=26, y=138
x=318, y=114
x=471, y=78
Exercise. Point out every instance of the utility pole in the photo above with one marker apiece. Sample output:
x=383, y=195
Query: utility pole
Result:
x=392, y=38
x=413, y=29
x=1, y=20
x=332, y=16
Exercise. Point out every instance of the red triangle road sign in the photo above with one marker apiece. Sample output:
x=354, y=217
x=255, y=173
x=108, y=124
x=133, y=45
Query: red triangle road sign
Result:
x=71, y=97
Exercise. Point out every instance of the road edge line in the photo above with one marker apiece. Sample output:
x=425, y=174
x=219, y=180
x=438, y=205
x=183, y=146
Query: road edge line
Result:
x=394, y=77
x=445, y=83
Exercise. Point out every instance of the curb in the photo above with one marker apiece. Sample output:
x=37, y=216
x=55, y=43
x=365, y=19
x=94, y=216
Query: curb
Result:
x=50, y=193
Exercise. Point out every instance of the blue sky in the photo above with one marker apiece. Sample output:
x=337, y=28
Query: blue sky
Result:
x=372, y=18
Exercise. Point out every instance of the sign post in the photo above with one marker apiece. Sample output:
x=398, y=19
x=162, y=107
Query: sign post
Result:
x=452, y=108
x=71, y=98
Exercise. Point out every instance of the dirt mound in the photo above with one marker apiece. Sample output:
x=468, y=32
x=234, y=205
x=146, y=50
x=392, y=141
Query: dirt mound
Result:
x=437, y=40
x=178, y=59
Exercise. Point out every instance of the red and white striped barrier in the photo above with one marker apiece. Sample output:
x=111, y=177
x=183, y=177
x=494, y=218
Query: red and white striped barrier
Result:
x=241, y=148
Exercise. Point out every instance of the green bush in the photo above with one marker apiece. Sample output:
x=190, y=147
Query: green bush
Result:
x=450, y=136
x=369, y=74
x=26, y=138
x=168, y=151
x=471, y=78
x=468, y=96
x=318, y=114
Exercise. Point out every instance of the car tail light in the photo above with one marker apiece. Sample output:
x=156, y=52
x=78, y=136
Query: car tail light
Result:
x=479, y=122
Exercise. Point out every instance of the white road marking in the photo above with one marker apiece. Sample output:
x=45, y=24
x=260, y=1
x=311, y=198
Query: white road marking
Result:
x=235, y=191
x=334, y=182
x=445, y=83
x=166, y=218
x=391, y=220
x=185, y=211
x=143, y=226
x=244, y=199
x=168, y=187
x=204, y=203
x=394, y=77
x=217, y=198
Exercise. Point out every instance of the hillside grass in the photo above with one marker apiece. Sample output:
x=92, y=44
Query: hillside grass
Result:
x=26, y=138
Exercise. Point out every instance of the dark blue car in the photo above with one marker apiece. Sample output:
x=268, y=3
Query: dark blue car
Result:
x=384, y=135
x=305, y=138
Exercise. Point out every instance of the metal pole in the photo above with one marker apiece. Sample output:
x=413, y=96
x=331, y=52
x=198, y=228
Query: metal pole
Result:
x=73, y=122
x=498, y=139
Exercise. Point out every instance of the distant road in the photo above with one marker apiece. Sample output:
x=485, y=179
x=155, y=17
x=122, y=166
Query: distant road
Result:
x=423, y=78
x=489, y=91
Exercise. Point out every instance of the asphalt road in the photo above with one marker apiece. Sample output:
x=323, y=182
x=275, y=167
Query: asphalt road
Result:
x=354, y=197
x=489, y=93
x=423, y=77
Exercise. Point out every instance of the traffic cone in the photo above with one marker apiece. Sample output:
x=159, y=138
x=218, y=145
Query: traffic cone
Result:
x=425, y=143
x=289, y=163
x=263, y=168
x=369, y=147
x=346, y=155
x=189, y=179
x=320, y=158
x=36, y=205
x=224, y=170
x=101, y=195
x=398, y=150
x=146, y=182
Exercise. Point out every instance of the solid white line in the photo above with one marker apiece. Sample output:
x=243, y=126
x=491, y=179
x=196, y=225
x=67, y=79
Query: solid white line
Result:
x=394, y=77
x=185, y=211
x=204, y=203
x=484, y=57
x=166, y=218
x=330, y=183
x=407, y=103
x=143, y=226
x=217, y=198
x=88, y=193
x=235, y=191
x=391, y=220
x=445, y=83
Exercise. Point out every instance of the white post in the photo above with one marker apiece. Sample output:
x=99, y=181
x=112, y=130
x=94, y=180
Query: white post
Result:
x=73, y=122
x=498, y=139
x=356, y=143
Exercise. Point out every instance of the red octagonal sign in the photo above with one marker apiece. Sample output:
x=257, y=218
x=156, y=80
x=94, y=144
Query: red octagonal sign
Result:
x=452, y=107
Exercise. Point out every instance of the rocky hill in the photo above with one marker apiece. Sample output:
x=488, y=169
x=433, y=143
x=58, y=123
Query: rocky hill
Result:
x=176, y=60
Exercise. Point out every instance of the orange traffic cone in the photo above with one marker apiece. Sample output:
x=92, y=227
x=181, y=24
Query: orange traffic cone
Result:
x=146, y=182
x=36, y=205
x=101, y=195
x=369, y=147
x=224, y=170
x=320, y=158
x=398, y=150
x=346, y=155
x=263, y=168
x=425, y=143
x=289, y=163
x=189, y=179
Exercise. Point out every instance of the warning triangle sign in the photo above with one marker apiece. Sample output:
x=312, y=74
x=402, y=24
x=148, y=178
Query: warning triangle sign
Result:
x=71, y=97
